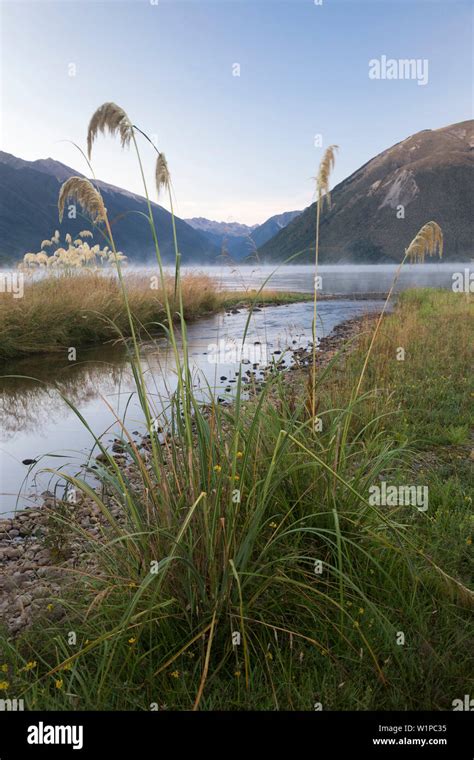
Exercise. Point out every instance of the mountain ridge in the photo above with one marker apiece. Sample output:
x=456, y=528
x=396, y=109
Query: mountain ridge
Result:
x=28, y=214
x=240, y=240
x=430, y=174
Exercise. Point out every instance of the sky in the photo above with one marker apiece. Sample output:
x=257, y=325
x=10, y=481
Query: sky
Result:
x=235, y=92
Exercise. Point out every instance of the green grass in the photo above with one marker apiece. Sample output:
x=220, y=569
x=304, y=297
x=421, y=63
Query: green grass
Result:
x=248, y=566
x=233, y=299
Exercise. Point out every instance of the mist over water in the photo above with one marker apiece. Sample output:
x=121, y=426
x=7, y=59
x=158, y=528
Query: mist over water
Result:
x=343, y=279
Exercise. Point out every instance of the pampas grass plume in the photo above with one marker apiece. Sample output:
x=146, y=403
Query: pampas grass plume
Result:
x=162, y=174
x=429, y=240
x=109, y=116
x=325, y=169
x=85, y=194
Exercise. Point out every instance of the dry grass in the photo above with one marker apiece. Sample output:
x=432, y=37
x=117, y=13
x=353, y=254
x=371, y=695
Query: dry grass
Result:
x=109, y=116
x=86, y=308
x=162, y=174
x=322, y=189
x=429, y=240
x=83, y=191
x=325, y=168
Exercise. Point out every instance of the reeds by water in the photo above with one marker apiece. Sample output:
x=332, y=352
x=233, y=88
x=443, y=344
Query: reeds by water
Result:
x=247, y=554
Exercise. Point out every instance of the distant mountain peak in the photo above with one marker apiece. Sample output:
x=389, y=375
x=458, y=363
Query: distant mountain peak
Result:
x=241, y=240
x=225, y=228
x=377, y=211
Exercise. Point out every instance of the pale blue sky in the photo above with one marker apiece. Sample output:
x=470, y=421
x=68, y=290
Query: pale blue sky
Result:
x=239, y=148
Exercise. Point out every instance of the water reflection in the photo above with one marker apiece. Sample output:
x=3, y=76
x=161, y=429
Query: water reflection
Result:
x=39, y=425
x=30, y=402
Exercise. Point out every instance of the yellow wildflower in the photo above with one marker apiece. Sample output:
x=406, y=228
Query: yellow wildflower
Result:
x=59, y=683
x=175, y=674
x=4, y=685
x=217, y=468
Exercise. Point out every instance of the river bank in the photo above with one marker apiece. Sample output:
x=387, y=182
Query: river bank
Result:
x=39, y=426
x=259, y=571
x=67, y=312
x=37, y=559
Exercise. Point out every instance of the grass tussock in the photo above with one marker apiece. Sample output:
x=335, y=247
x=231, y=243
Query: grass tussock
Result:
x=264, y=536
x=87, y=308
x=241, y=563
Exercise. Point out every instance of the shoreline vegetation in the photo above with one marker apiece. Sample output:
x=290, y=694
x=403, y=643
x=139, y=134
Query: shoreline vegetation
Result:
x=244, y=556
x=86, y=309
x=331, y=637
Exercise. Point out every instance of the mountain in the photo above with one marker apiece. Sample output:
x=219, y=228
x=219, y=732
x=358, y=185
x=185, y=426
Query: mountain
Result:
x=230, y=229
x=428, y=176
x=268, y=229
x=29, y=214
x=233, y=237
x=240, y=240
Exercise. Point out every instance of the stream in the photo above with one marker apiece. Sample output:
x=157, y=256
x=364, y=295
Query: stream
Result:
x=38, y=426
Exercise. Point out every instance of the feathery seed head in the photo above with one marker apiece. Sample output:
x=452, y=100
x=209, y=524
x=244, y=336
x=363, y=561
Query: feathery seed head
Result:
x=109, y=116
x=429, y=240
x=162, y=174
x=325, y=169
x=87, y=196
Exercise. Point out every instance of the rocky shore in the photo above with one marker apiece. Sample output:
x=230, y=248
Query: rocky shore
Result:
x=38, y=558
